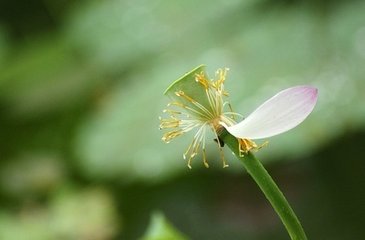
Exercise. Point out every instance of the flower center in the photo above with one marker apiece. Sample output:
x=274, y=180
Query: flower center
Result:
x=187, y=114
x=208, y=112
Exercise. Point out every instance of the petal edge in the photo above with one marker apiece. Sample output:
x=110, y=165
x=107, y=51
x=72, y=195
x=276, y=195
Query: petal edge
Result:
x=282, y=112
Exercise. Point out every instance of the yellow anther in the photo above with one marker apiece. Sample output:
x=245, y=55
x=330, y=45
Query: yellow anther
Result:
x=246, y=145
x=178, y=104
x=172, y=112
x=182, y=94
x=200, y=78
x=170, y=135
x=218, y=84
x=169, y=123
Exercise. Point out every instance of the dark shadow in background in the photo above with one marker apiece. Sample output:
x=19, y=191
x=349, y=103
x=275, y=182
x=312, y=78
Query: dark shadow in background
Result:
x=327, y=190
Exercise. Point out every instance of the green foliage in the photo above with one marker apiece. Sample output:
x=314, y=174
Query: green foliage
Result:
x=80, y=100
x=161, y=229
x=71, y=214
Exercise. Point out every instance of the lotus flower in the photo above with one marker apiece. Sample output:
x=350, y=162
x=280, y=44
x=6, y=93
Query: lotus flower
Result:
x=203, y=106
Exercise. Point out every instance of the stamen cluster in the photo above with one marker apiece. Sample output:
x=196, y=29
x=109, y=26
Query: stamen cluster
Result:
x=189, y=114
x=199, y=103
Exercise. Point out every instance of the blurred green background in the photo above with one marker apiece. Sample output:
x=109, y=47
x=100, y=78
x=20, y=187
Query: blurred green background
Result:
x=81, y=86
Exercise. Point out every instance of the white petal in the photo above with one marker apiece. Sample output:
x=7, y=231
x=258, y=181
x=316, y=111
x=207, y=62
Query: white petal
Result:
x=279, y=114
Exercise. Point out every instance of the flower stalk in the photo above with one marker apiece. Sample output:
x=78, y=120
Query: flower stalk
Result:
x=268, y=187
x=199, y=103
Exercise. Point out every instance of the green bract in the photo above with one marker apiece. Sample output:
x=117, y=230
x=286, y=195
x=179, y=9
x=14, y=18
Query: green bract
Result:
x=190, y=87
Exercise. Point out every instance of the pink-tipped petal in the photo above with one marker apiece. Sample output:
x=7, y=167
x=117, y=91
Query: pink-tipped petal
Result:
x=279, y=114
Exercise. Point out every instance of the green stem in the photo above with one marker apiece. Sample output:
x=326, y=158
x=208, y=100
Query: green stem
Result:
x=268, y=187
